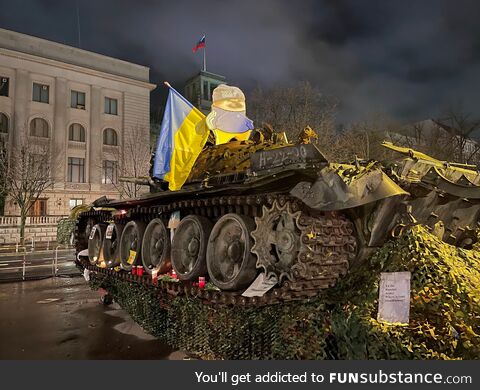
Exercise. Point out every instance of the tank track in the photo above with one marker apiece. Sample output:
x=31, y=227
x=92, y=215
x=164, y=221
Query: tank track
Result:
x=327, y=244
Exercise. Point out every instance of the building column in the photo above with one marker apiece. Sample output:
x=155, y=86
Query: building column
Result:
x=21, y=106
x=59, y=131
x=96, y=140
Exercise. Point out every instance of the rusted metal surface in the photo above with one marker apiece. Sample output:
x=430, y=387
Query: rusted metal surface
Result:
x=331, y=191
x=304, y=221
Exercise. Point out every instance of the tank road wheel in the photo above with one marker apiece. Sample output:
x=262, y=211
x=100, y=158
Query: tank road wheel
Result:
x=230, y=263
x=189, y=247
x=156, y=247
x=277, y=241
x=111, y=246
x=95, y=242
x=131, y=244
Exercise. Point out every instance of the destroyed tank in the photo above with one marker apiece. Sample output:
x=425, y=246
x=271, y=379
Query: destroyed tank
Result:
x=275, y=213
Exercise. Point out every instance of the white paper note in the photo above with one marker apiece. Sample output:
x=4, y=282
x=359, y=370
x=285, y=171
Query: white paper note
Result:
x=394, y=300
x=260, y=286
x=109, y=232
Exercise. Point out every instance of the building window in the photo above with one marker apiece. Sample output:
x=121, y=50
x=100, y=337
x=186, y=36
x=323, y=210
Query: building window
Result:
x=110, y=137
x=75, y=202
x=109, y=172
x=39, y=127
x=39, y=164
x=40, y=93
x=76, y=132
x=194, y=93
x=205, y=91
x=110, y=106
x=212, y=87
x=38, y=208
x=76, y=170
x=78, y=100
x=3, y=123
x=4, y=86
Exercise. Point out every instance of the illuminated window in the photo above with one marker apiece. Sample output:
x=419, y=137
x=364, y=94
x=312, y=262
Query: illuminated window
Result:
x=75, y=202
x=109, y=172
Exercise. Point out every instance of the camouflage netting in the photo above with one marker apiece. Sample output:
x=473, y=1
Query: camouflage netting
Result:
x=65, y=228
x=339, y=324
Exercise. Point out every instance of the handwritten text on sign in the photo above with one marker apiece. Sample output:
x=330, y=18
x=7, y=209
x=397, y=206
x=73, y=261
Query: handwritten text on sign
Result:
x=394, y=302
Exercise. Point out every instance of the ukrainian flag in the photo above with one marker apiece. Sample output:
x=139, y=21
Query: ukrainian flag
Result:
x=182, y=136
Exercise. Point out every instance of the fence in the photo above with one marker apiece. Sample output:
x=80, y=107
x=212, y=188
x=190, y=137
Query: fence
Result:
x=14, y=220
x=41, y=228
x=26, y=265
x=30, y=245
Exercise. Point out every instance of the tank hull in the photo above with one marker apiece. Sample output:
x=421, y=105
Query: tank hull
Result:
x=280, y=216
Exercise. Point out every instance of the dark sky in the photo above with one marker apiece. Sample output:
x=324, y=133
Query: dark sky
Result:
x=407, y=59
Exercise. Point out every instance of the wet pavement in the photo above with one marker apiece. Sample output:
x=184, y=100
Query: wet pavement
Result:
x=61, y=318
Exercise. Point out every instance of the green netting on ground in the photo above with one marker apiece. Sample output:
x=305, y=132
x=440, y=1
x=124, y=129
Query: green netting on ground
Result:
x=338, y=324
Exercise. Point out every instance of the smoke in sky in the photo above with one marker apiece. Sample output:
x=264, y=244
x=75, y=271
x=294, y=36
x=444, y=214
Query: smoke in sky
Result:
x=409, y=60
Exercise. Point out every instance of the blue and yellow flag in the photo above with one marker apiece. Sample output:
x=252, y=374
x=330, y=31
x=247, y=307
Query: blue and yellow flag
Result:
x=182, y=136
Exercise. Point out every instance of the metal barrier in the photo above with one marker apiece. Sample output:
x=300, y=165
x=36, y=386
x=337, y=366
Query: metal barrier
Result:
x=29, y=264
x=32, y=246
x=5, y=248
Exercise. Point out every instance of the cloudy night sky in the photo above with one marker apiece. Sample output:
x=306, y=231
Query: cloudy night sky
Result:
x=406, y=59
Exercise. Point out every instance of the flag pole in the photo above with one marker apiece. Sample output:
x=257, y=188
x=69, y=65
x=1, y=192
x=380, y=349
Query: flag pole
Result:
x=205, y=54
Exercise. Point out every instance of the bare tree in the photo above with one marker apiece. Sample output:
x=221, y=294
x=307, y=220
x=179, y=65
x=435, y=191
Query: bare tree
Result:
x=26, y=175
x=462, y=129
x=291, y=109
x=3, y=184
x=364, y=139
x=132, y=162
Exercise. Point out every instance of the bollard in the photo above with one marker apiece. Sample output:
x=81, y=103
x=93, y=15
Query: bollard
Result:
x=24, y=263
x=56, y=260
x=48, y=245
x=16, y=247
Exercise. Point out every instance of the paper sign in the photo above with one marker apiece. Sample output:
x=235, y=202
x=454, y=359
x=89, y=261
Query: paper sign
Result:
x=259, y=286
x=174, y=220
x=92, y=233
x=131, y=257
x=394, y=300
x=109, y=232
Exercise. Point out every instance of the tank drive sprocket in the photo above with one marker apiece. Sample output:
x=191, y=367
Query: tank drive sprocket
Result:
x=301, y=249
x=277, y=240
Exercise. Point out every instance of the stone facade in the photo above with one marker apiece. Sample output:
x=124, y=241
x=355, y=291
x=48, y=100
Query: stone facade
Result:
x=39, y=233
x=87, y=90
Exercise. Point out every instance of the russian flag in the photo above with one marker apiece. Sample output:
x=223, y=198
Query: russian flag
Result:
x=200, y=44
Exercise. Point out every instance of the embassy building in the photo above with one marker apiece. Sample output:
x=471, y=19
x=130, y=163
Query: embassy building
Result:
x=82, y=105
x=199, y=89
